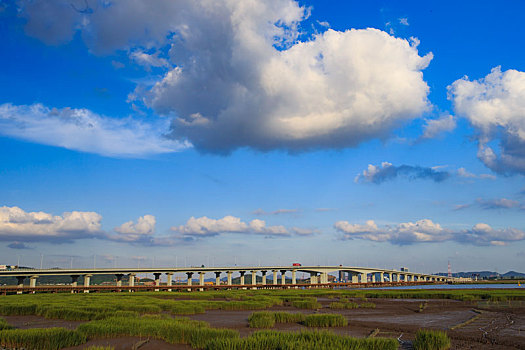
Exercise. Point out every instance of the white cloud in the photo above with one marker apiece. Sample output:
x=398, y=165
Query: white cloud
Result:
x=275, y=212
x=204, y=226
x=83, y=130
x=462, y=172
x=427, y=231
x=240, y=77
x=21, y=226
x=495, y=106
x=148, y=60
x=140, y=231
x=435, y=127
x=404, y=21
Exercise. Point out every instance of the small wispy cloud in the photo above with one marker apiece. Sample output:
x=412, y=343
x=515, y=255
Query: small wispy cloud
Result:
x=275, y=212
x=387, y=171
x=404, y=21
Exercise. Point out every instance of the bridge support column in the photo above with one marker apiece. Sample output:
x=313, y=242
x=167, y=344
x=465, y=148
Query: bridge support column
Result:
x=190, y=275
x=381, y=277
x=373, y=277
x=20, y=282
x=241, y=279
x=363, y=278
x=217, y=278
x=157, y=280
x=355, y=277
x=274, y=276
x=32, y=283
x=201, y=279
x=74, y=282
x=313, y=278
x=131, y=281
x=294, y=277
x=87, y=281
x=119, y=279
x=263, y=282
x=283, y=277
x=254, y=279
x=169, y=282
x=324, y=278
x=229, y=281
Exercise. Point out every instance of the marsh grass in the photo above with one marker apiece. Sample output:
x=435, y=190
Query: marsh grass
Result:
x=431, y=340
x=174, y=331
x=267, y=319
x=305, y=340
x=306, y=304
x=325, y=320
x=261, y=320
x=40, y=339
x=4, y=324
x=367, y=305
x=343, y=305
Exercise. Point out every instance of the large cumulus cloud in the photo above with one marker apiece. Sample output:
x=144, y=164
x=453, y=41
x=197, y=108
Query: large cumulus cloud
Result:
x=495, y=106
x=240, y=73
x=21, y=226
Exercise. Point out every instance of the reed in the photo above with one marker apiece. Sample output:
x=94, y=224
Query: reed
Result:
x=40, y=339
x=305, y=340
x=261, y=320
x=4, y=324
x=306, y=304
x=431, y=340
x=367, y=305
x=325, y=320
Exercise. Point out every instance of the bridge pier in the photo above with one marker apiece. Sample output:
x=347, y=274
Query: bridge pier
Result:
x=119, y=279
x=294, y=276
x=283, y=277
x=20, y=282
x=274, y=276
x=263, y=277
x=254, y=279
x=313, y=278
x=363, y=278
x=32, y=283
x=131, y=281
x=201, y=279
x=190, y=275
x=87, y=281
x=229, y=280
x=74, y=282
x=157, y=280
x=169, y=280
x=241, y=279
x=217, y=278
x=373, y=277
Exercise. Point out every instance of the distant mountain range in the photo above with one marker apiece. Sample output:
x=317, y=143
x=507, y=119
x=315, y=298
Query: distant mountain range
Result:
x=486, y=274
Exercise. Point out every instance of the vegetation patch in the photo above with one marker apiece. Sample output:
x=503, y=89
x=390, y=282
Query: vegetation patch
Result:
x=261, y=320
x=431, y=340
x=4, y=324
x=325, y=320
x=305, y=340
x=174, y=331
x=306, y=304
x=40, y=339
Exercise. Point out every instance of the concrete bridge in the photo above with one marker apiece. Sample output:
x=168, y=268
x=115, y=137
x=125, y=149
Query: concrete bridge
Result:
x=318, y=276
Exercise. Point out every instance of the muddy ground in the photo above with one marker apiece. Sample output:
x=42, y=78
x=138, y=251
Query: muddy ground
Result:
x=470, y=325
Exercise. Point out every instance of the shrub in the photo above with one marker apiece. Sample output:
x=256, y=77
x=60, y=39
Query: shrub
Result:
x=431, y=340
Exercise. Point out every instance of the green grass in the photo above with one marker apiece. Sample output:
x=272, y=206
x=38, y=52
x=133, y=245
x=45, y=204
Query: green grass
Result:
x=343, y=305
x=174, y=331
x=261, y=320
x=4, y=324
x=267, y=319
x=306, y=304
x=40, y=339
x=431, y=340
x=325, y=320
x=305, y=340
x=367, y=305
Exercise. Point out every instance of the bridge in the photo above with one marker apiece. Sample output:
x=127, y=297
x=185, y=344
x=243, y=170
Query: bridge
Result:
x=318, y=277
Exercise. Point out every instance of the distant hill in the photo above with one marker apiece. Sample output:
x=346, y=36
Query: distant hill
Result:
x=486, y=274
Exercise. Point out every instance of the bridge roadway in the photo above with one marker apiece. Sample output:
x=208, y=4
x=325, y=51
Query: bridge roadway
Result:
x=318, y=277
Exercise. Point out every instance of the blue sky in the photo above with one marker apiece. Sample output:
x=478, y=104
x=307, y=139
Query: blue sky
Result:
x=379, y=133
